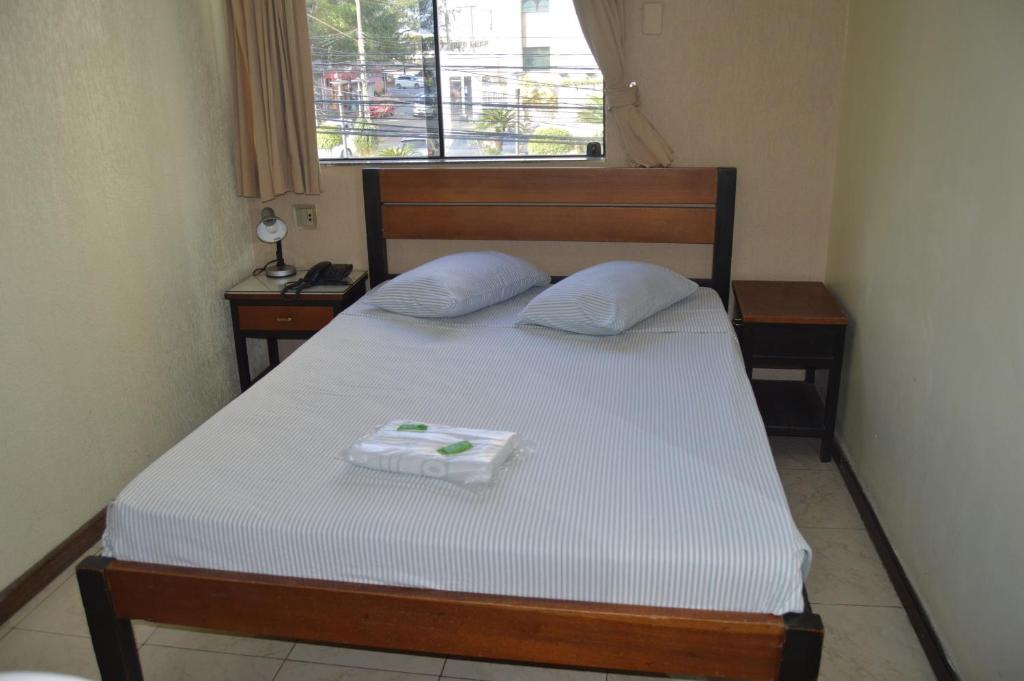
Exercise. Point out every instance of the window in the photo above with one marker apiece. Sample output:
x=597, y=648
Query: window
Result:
x=478, y=78
x=536, y=58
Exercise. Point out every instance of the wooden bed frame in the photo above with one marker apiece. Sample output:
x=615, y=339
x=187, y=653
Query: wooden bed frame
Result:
x=684, y=205
x=626, y=205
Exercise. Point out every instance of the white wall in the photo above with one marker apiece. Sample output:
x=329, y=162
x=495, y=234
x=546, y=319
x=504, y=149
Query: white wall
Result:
x=928, y=234
x=121, y=229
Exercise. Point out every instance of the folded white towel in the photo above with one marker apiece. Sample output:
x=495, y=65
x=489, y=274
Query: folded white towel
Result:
x=462, y=455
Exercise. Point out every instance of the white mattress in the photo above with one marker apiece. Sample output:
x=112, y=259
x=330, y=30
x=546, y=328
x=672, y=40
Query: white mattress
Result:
x=652, y=482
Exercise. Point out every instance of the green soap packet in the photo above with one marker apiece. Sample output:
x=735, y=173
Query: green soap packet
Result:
x=455, y=448
x=413, y=426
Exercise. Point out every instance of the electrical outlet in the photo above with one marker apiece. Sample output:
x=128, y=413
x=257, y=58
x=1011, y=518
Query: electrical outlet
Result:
x=305, y=216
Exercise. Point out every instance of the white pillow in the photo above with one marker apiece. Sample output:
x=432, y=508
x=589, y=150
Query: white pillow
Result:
x=608, y=298
x=457, y=284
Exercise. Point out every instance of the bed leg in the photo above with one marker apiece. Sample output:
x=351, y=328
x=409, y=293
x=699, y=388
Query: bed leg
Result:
x=112, y=638
x=801, y=651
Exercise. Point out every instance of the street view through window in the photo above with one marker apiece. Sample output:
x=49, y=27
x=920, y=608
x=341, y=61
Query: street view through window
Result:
x=482, y=78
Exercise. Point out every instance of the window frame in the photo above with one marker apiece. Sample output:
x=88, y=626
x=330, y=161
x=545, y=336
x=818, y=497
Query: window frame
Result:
x=442, y=156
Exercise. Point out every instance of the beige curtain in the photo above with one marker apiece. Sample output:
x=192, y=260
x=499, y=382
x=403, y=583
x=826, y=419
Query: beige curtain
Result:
x=276, y=126
x=604, y=26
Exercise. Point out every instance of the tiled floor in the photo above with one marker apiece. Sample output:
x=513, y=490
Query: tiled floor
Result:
x=867, y=633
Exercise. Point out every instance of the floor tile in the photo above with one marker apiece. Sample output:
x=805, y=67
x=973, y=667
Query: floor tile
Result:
x=62, y=613
x=177, y=664
x=869, y=644
x=368, y=659
x=309, y=671
x=846, y=570
x=495, y=671
x=27, y=609
x=143, y=631
x=66, y=574
x=196, y=639
x=35, y=651
x=798, y=452
x=818, y=498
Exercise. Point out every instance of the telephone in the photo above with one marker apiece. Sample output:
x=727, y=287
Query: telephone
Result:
x=321, y=273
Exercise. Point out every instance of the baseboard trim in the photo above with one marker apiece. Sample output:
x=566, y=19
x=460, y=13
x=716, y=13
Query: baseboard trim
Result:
x=35, y=579
x=919, y=619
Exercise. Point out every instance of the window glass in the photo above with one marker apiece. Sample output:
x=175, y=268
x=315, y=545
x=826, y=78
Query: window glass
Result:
x=511, y=78
x=536, y=58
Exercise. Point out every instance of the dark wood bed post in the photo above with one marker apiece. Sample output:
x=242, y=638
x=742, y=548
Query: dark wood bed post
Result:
x=376, y=246
x=112, y=639
x=801, y=650
x=725, y=212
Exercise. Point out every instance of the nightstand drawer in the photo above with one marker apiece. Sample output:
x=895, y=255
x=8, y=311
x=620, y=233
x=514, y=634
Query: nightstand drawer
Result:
x=792, y=340
x=283, y=317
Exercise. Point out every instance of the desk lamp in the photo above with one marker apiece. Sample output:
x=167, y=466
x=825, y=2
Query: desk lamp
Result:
x=271, y=229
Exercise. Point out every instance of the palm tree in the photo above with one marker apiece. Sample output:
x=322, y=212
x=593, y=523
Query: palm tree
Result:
x=499, y=121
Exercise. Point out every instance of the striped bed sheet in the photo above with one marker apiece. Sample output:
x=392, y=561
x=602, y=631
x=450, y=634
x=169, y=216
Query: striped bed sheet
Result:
x=651, y=482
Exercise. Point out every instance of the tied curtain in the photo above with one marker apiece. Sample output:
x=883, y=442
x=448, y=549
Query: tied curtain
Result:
x=604, y=26
x=275, y=149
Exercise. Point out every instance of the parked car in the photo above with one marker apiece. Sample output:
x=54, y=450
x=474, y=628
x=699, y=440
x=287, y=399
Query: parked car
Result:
x=423, y=106
x=406, y=81
x=381, y=110
x=420, y=146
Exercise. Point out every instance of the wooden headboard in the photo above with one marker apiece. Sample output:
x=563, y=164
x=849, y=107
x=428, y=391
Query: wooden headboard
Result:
x=635, y=205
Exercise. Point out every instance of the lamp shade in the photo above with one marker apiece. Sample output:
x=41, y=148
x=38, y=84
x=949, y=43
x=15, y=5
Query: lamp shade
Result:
x=272, y=230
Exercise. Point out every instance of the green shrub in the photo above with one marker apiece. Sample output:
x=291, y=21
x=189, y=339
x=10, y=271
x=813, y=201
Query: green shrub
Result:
x=547, y=147
x=396, y=151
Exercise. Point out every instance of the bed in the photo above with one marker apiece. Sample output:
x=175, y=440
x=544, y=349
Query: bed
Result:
x=649, y=522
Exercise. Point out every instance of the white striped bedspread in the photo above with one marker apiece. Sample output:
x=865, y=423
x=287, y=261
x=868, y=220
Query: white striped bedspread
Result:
x=652, y=482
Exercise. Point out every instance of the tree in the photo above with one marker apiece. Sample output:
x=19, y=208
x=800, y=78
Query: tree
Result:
x=366, y=138
x=328, y=139
x=391, y=31
x=551, y=147
x=497, y=120
x=592, y=111
x=539, y=100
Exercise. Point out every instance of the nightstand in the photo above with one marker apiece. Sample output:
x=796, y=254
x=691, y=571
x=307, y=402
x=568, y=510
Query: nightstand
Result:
x=793, y=325
x=260, y=310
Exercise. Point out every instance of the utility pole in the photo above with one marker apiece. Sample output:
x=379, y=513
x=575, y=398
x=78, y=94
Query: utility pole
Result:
x=518, y=133
x=361, y=47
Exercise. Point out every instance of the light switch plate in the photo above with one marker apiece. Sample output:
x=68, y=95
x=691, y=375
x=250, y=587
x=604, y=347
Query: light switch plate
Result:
x=305, y=216
x=652, y=18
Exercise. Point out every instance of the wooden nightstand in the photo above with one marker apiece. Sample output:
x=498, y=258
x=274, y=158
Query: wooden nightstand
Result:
x=260, y=310
x=793, y=325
